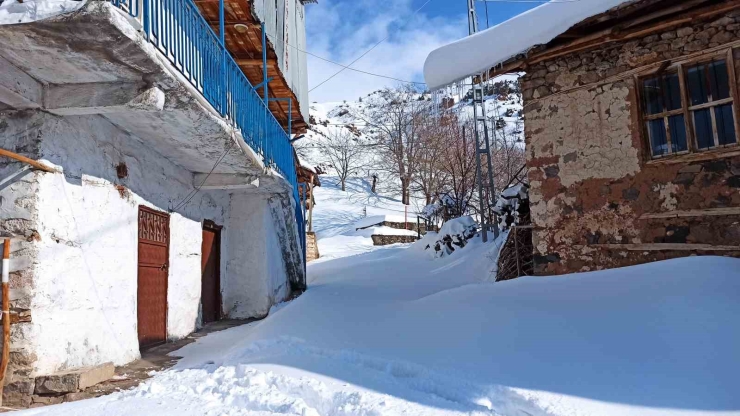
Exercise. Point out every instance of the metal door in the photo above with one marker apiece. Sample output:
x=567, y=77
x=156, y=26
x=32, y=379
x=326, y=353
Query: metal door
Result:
x=154, y=243
x=210, y=268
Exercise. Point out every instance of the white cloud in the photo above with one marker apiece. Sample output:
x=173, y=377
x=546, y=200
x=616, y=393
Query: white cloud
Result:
x=341, y=30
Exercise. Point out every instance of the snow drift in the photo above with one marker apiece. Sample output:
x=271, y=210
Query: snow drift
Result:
x=393, y=332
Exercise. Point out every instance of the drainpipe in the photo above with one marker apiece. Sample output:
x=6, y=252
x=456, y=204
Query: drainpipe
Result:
x=6, y=315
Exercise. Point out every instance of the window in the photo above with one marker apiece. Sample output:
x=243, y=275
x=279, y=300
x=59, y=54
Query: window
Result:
x=689, y=108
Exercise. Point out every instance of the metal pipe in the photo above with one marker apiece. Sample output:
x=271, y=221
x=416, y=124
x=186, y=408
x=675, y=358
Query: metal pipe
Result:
x=222, y=39
x=6, y=315
x=265, y=92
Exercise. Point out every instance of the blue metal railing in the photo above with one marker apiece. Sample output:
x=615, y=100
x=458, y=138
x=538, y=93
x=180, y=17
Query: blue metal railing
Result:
x=181, y=34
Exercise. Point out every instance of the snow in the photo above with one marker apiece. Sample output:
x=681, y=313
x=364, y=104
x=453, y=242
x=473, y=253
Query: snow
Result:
x=14, y=11
x=338, y=215
x=392, y=331
x=516, y=191
x=457, y=226
x=378, y=219
x=482, y=51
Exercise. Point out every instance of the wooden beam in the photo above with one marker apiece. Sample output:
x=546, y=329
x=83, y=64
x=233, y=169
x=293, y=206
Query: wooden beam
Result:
x=23, y=159
x=710, y=212
x=254, y=62
x=665, y=247
x=249, y=23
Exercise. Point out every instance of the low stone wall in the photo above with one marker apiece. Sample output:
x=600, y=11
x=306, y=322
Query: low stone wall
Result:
x=405, y=226
x=385, y=240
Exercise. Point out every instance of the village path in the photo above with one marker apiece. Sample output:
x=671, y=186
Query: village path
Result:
x=395, y=331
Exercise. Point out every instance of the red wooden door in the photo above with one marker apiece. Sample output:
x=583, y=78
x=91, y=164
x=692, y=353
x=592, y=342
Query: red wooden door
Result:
x=210, y=268
x=154, y=242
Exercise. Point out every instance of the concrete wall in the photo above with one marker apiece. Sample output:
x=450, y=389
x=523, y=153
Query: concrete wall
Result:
x=78, y=268
x=590, y=170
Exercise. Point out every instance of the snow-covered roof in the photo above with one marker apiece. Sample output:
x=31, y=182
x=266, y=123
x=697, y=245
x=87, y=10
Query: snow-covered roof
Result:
x=480, y=52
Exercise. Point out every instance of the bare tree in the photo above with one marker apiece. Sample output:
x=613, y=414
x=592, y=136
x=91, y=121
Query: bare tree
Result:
x=393, y=118
x=507, y=149
x=458, y=163
x=342, y=151
x=431, y=175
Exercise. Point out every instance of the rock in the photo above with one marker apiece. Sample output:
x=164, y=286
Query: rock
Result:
x=685, y=178
x=97, y=374
x=722, y=37
x=73, y=397
x=46, y=400
x=552, y=171
x=684, y=31
x=631, y=194
x=690, y=169
x=57, y=383
x=18, y=393
x=723, y=21
x=73, y=381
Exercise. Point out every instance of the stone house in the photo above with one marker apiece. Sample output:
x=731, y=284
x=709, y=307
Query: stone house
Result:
x=631, y=126
x=170, y=197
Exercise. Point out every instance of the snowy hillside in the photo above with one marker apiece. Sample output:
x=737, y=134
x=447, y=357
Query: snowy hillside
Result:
x=503, y=101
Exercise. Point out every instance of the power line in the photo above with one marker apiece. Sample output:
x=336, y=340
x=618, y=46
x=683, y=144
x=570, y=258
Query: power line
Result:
x=366, y=52
x=347, y=67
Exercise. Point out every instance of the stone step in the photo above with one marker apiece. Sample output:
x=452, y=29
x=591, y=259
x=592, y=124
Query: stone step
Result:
x=75, y=380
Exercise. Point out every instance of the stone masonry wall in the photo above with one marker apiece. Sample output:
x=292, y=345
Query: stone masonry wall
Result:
x=591, y=173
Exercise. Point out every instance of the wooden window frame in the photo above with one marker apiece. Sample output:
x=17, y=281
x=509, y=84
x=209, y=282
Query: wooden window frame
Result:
x=688, y=110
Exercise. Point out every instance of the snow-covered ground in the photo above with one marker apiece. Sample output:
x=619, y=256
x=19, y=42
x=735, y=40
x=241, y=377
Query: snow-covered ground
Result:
x=338, y=215
x=393, y=331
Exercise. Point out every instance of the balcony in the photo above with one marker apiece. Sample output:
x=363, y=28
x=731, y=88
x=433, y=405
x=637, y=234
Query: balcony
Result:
x=243, y=37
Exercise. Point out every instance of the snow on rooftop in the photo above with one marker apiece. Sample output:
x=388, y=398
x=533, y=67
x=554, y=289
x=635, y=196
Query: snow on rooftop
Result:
x=14, y=11
x=480, y=52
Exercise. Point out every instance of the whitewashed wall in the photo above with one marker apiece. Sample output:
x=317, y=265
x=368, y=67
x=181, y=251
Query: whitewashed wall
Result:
x=84, y=299
x=256, y=277
x=285, y=23
x=83, y=266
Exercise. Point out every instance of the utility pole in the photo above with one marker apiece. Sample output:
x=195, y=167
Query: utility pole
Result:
x=472, y=18
x=482, y=142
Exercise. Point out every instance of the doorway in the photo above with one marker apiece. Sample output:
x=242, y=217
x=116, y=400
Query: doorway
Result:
x=153, y=268
x=211, y=272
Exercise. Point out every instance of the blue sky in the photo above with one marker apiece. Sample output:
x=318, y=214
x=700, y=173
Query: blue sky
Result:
x=341, y=30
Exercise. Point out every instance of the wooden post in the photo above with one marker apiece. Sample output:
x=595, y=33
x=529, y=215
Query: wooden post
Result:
x=33, y=163
x=6, y=315
x=516, y=250
x=311, y=202
x=406, y=216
